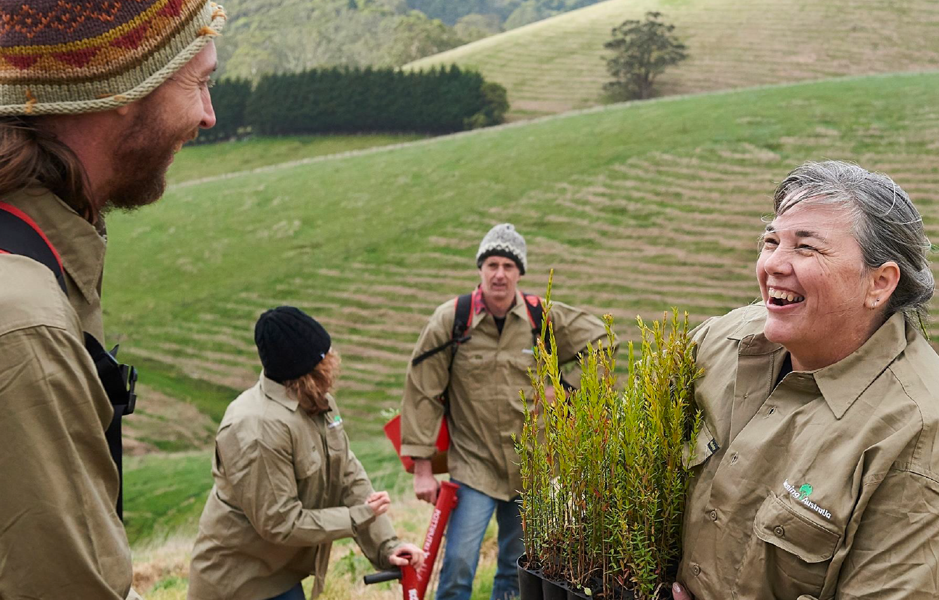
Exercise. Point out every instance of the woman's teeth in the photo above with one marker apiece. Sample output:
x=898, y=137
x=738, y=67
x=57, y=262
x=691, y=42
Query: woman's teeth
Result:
x=784, y=296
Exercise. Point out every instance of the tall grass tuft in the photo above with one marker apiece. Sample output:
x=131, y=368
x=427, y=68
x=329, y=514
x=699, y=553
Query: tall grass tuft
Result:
x=602, y=472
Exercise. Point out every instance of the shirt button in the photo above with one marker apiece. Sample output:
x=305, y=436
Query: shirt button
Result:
x=713, y=515
x=779, y=531
x=695, y=570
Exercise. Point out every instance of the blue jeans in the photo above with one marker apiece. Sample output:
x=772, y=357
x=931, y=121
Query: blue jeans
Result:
x=465, y=531
x=294, y=593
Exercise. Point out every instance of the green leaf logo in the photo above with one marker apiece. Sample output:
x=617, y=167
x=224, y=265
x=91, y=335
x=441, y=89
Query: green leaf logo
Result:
x=805, y=491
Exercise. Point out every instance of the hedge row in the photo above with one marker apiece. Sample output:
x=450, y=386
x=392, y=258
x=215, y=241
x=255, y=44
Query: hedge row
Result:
x=341, y=100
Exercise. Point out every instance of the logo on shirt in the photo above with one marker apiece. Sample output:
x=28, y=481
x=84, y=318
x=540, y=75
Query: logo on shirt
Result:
x=802, y=495
x=336, y=422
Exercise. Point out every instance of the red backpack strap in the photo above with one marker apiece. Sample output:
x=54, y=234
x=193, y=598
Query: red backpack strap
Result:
x=19, y=234
x=535, y=311
x=536, y=316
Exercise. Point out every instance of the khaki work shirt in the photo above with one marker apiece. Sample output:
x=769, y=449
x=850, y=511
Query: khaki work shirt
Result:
x=483, y=389
x=826, y=486
x=286, y=486
x=59, y=532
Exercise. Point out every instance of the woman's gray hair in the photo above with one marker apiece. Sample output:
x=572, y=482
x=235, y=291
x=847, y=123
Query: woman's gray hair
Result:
x=886, y=224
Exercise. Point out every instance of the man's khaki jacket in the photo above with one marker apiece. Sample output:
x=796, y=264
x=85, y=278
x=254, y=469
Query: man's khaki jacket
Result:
x=59, y=532
x=286, y=487
x=485, y=408
x=824, y=486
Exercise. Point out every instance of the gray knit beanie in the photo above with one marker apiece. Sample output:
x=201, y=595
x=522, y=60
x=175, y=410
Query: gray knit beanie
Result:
x=503, y=240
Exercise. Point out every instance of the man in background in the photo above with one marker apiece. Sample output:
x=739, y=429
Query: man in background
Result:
x=481, y=380
x=95, y=99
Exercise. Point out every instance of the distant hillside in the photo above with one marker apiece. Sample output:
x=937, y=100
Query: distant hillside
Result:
x=557, y=64
x=273, y=36
x=638, y=208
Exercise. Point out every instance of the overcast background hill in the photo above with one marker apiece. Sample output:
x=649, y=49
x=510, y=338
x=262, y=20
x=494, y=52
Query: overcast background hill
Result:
x=274, y=36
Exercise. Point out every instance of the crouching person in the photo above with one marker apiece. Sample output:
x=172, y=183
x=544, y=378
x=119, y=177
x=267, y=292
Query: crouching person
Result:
x=286, y=483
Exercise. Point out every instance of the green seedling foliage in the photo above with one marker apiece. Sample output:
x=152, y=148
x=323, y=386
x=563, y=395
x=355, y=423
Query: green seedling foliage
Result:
x=603, y=477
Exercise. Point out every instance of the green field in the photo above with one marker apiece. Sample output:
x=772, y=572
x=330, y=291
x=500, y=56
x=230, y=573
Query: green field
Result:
x=556, y=65
x=637, y=207
x=211, y=160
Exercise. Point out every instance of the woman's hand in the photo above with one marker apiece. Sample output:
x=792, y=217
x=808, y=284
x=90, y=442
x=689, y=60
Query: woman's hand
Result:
x=379, y=502
x=680, y=592
x=407, y=554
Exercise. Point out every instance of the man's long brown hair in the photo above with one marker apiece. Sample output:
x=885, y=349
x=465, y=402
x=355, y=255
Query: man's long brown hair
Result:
x=31, y=156
x=311, y=389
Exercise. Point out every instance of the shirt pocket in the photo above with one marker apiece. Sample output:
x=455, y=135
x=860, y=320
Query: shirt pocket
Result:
x=307, y=462
x=793, y=550
x=336, y=441
x=705, y=446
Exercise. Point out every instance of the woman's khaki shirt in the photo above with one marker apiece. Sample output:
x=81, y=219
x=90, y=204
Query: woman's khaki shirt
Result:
x=286, y=486
x=826, y=486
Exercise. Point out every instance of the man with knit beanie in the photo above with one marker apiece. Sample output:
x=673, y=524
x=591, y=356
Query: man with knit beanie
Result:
x=95, y=99
x=476, y=389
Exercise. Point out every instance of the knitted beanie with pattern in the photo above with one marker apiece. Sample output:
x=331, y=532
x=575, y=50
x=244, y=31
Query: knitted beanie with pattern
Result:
x=86, y=55
x=503, y=240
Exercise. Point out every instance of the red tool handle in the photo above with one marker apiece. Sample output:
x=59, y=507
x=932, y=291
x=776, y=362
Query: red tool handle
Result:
x=414, y=583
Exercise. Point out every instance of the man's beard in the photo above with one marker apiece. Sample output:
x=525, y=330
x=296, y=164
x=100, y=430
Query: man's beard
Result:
x=141, y=164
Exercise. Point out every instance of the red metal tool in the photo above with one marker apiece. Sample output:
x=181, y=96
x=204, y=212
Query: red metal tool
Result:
x=413, y=582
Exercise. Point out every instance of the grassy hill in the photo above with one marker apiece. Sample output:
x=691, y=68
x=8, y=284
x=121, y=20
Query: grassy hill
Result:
x=638, y=208
x=556, y=65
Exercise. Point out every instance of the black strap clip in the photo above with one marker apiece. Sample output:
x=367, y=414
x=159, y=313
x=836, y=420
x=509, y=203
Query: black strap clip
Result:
x=119, y=380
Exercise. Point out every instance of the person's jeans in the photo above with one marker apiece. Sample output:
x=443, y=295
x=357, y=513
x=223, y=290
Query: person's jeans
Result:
x=465, y=532
x=294, y=593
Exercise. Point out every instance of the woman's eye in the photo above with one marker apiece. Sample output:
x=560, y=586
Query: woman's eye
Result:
x=805, y=248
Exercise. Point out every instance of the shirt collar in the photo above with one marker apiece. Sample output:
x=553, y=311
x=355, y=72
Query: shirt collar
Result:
x=80, y=244
x=843, y=382
x=479, y=310
x=277, y=393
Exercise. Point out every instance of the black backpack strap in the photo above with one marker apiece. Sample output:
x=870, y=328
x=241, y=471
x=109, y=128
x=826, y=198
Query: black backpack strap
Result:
x=461, y=320
x=461, y=323
x=536, y=317
x=19, y=234
x=119, y=381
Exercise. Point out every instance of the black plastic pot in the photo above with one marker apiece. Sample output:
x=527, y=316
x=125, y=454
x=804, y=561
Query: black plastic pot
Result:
x=529, y=581
x=576, y=594
x=553, y=590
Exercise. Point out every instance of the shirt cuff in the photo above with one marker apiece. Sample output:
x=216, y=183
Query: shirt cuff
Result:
x=387, y=549
x=417, y=451
x=361, y=515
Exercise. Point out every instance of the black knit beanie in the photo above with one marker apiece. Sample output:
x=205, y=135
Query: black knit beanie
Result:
x=290, y=343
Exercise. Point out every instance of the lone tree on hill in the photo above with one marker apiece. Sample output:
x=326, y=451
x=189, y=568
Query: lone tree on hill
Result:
x=642, y=51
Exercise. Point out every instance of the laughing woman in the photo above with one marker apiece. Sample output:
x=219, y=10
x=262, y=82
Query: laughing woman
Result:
x=816, y=475
x=286, y=483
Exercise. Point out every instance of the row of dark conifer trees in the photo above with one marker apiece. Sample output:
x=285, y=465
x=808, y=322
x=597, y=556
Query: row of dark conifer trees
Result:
x=343, y=100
